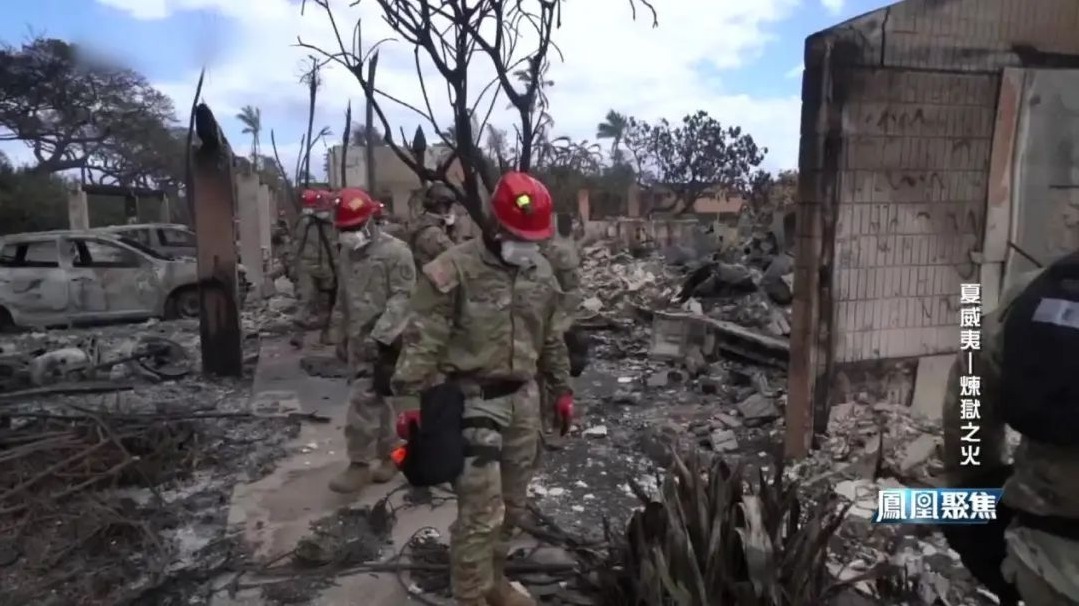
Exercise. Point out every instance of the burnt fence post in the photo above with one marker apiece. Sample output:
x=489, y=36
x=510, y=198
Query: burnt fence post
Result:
x=214, y=207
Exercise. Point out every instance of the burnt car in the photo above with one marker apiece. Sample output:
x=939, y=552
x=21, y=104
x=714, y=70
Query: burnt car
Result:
x=78, y=277
x=169, y=239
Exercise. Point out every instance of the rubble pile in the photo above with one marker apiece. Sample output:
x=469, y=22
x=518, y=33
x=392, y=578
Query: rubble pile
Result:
x=753, y=290
x=708, y=380
x=117, y=460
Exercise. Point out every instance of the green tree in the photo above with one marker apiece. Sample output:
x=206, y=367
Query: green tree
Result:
x=697, y=156
x=75, y=111
x=30, y=200
x=251, y=118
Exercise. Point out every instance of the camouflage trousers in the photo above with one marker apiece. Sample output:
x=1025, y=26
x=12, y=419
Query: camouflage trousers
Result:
x=1044, y=568
x=492, y=493
x=370, y=434
x=316, y=295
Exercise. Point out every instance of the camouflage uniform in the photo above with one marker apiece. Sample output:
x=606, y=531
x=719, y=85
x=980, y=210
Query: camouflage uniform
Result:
x=1045, y=481
x=316, y=242
x=372, y=308
x=479, y=322
x=428, y=238
x=565, y=261
x=282, y=246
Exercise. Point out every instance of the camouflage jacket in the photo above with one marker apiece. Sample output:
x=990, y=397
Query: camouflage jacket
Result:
x=428, y=238
x=1045, y=480
x=565, y=262
x=476, y=317
x=316, y=243
x=373, y=291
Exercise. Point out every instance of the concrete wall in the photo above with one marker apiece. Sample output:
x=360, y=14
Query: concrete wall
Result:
x=896, y=165
x=626, y=232
x=911, y=206
x=1045, y=195
x=394, y=180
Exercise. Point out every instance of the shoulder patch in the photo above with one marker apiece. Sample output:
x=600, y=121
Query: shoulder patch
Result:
x=442, y=273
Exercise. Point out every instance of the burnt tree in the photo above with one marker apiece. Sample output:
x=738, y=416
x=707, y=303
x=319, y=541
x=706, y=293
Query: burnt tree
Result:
x=452, y=35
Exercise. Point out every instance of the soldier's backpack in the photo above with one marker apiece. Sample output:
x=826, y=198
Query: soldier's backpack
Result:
x=1040, y=362
x=436, y=449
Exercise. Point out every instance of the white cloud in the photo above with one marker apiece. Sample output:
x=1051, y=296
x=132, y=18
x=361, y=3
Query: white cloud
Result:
x=795, y=72
x=833, y=6
x=611, y=62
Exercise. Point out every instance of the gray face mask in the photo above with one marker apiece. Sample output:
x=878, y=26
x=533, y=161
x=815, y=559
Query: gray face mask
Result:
x=354, y=240
x=521, y=254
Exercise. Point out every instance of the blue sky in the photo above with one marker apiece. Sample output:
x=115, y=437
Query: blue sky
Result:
x=738, y=62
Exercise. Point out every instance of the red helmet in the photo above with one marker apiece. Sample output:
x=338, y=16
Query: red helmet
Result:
x=310, y=198
x=354, y=208
x=522, y=205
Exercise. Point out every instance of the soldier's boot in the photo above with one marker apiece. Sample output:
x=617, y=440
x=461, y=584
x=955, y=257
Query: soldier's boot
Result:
x=502, y=593
x=384, y=472
x=552, y=439
x=354, y=478
x=298, y=339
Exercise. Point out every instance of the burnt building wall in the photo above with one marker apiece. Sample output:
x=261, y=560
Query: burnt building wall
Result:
x=899, y=113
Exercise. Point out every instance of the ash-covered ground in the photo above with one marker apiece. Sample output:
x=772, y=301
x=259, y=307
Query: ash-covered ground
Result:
x=115, y=484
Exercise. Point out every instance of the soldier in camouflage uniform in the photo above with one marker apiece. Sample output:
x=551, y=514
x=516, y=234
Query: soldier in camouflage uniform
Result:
x=431, y=233
x=486, y=314
x=281, y=240
x=377, y=276
x=316, y=275
x=561, y=252
x=1042, y=565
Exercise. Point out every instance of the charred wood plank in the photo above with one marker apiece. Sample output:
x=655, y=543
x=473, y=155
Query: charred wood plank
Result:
x=214, y=205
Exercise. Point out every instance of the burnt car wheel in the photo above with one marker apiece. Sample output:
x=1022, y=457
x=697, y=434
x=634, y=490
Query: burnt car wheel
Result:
x=183, y=303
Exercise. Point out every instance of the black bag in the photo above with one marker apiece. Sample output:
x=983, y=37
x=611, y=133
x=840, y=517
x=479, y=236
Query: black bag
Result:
x=577, y=345
x=436, y=449
x=1040, y=382
x=384, y=367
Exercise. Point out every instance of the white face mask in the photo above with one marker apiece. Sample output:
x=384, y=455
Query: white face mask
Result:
x=449, y=219
x=308, y=211
x=521, y=254
x=354, y=240
x=323, y=214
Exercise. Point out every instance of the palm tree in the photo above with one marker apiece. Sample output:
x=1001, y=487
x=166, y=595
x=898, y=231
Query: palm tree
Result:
x=251, y=117
x=614, y=128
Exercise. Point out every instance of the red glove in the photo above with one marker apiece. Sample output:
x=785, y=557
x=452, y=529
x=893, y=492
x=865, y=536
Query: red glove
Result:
x=405, y=421
x=563, y=407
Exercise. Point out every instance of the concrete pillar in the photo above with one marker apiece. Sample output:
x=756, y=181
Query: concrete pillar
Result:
x=633, y=201
x=165, y=209
x=78, y=214
x=247, y=202
x=584, y=208
x=266, y=218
